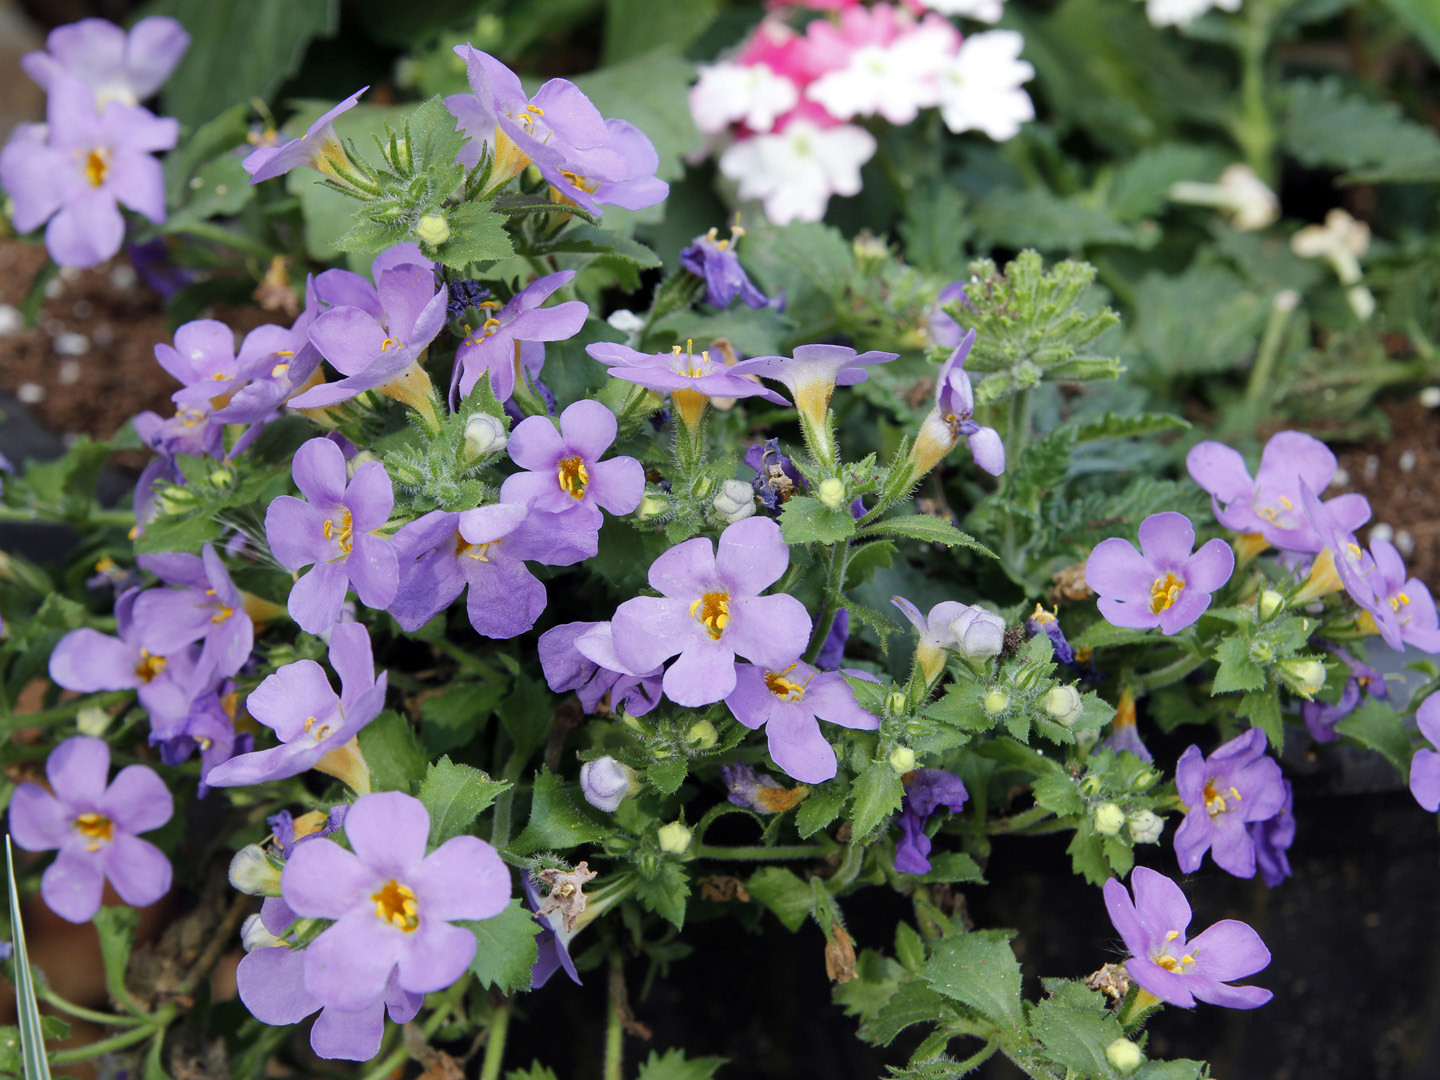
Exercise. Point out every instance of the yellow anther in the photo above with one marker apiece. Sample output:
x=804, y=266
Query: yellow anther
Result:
x=344, y=535
x=223, y=614
x=573, y=476
x=97, y=166
x=395, y=904
x=713, y=612
x=391, y=341
x=1288, y=504
x=478, y=552
x=1215, y=803
x=1172, y=935
x=783, y=688
x=1165, y=592
x=287, y=353
x=278, y=370
x=96, y=828
x=536, y=109
x=149, y=666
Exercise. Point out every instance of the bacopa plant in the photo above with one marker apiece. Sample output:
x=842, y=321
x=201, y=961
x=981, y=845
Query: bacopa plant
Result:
x=468, y=627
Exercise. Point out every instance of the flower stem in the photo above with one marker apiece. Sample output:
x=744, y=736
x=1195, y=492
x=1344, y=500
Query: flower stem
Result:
x=1254, y=130
x=779, y=851
x=153, y=1025
x=495, y=1041
x=614, y=1027
x=81, y=1013
x=1258, y=387
x=1170, y=673
x=63, y=712
x=834, y=593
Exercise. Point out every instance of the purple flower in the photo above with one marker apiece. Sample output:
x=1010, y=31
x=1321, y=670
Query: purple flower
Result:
x=189, y=431
x=618, y=172
x=953, y=417
x=691, y=380
x=1273, y=839
x=968, y=630
x=333, y=529
x=373, y=334
x=710, y=609
x=1270, y=504
x=207, y=726
x=1321, y=718
x=312, y=826
x=307, y=716
x=758, y=793
x=813, y=373
x=319, y=148
x=117, y=66
x=1409, y=598
x=832, y=651
x=926, y=791
x=1173, y=969
x=776, y=477
x=789, y=704
x=202, y=358
x=203, y=605
x=606, y=783
x=1425, y=766
x=1343, y=564
x=565, y=469
x=272, y=364
x=271, y=982
x=1124, y=732
x=1045, y=622
x=716, y=262
x=74, y=171
x=945, y=332
x=580, y=656
x=1236, y=785
x=154, y=262
x=94, y=827
x=553, y=942
x=492, y=347
x=486, y=549
x=393, y=904
x=1162, y=584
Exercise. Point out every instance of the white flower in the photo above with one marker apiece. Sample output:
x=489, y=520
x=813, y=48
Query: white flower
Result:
x=1341, y=241
x=739, y=93
x=1239, y=191
x=980, y=87
x=896, y=80
x=1184, y=12
x=981, y=10
x=796, y=171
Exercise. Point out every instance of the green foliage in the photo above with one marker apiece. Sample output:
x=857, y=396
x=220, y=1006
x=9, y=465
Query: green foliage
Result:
x=455, y=795
x=31, y=1033
x=1325, y=125
x=674, y=1065
x=979, y=970
x=808, y=520
x=791, y=899
x=555, y=822
x=394, y=754
x=505, y=948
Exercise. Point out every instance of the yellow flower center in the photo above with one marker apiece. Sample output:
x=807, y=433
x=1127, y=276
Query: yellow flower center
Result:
x=96, y=828
x=713, y=611
x=783, y=688
x=97, y=166
x=1165, y=592
x=395, y=904
x=149, y=666
x=573, y=476
x=1217, y=803
x=344, y=535
x=320, y=733
x=473, y=551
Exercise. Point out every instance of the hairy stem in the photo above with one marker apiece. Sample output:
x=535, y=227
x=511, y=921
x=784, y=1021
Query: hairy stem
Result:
x=834, y=593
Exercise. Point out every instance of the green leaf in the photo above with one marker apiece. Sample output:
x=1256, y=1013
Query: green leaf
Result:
x=866, y=559
x=923, y=527
x=821, y=807
x=505, y=948
x=220, y=189
x=455, y=795
x=668, y=774
x=1056, y=791
x=954, y=867
x=1140, y=187
x=979, y=969
x=1101, y=635
x=674, y=1065
x=536, y=1071
x=665, y=893
x=1423, y=19
x=1376, y=725
x=877, y=792
x=1075, y=1028
x=913, y=1003
x=1237, y=671
x=1036, y=218
x=1326, y=125
x=1129, y=426
x=1180, y=1069
x=453, y=718
x=392, y=751
x=591, y=240
x=239, y=49
x=1205, y=320
x=1087, y=855
x=806, y=520
x=32, y=1034
x=116, y=927
x=1263, y=708
x=477, y=234
x=784, y=893
x=554, y=820
x=527, y=715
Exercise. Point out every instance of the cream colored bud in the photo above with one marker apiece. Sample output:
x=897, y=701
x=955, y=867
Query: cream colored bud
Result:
x=902, y=759
x=1306, y=677
x=484, y=434
x=1124, y=1055
x=674, y=838
x=1270, y=602
x=736, y=501
x=831, y=492
x=895, y=703
x=652, y=506
x=254, y=935
x=92, y=720
x=702, y=735
x=1109, y=819
x=253, y=872
x=1064, y=705
x=1145, y=826
x=433, y=229
x=996, y=702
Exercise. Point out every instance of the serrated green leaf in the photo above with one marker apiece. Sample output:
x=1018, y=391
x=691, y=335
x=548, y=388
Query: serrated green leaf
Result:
x=1056, y=791
x=821, y=807
x=1129, y=426
x=1327, y=125
x=806, y=520
x=477, y=234
x=952, y=867
x=592, y=240
x=914, y=1002
x=1036, y=218
x=455, y=795
x=666, y=893
x=536, y=1071
x=220, y=189
x=555, y=821
x=668, y=774
x=1263, y=708
x=1237, y=671
x=674, y=1065
x=979, y=969
x=877, y=794
x=924, y=527
x=1207, y=319
x=116, y=926
x=1087, y=855
x=505, y=948
x=1075, y=1028
x=784, y=893
x=392, y=751
x=1141, y=185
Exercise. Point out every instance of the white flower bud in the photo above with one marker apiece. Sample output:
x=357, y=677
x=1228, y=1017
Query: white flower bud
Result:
x=484, y=434
x=902, y=759
x=1145, y=827
x=1270, y=602
x=1064, y=705
x=674, y=838
x=996, y=702
x=736, y=501
x=831, y=492
x=255, y=873
x=92, y=720
x=605, y=783
x=1124, y=1055
x=702, y=735
x=433, y=229
x=253, y=935
x=1109, y=819
x=1305, y=677
x=979, y=633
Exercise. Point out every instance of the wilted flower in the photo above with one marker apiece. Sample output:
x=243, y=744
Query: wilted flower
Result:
x=1161, y=585
x=94, y=826
x=757, y=792
x=1235, y=786
x=1172, y=968
x=776, y=477
x=926, y=791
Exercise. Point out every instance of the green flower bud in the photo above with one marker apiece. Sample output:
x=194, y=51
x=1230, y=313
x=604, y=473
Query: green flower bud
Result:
x=1261, y=652
x=254, y=873
x=1304, y=676
x=1144, y=780
x=652, y=506
x=433, y=229
x=702, y=735
x=831, y=492
x=1090, y=785
x=1270, y=602
x=1064, y=705
x=996, y=702
x=222, y=477
x=1124, y=1055
x=1145, y=827
x=902, y=759
x=1109, y=819
x=674, y=838
x=895, y=703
